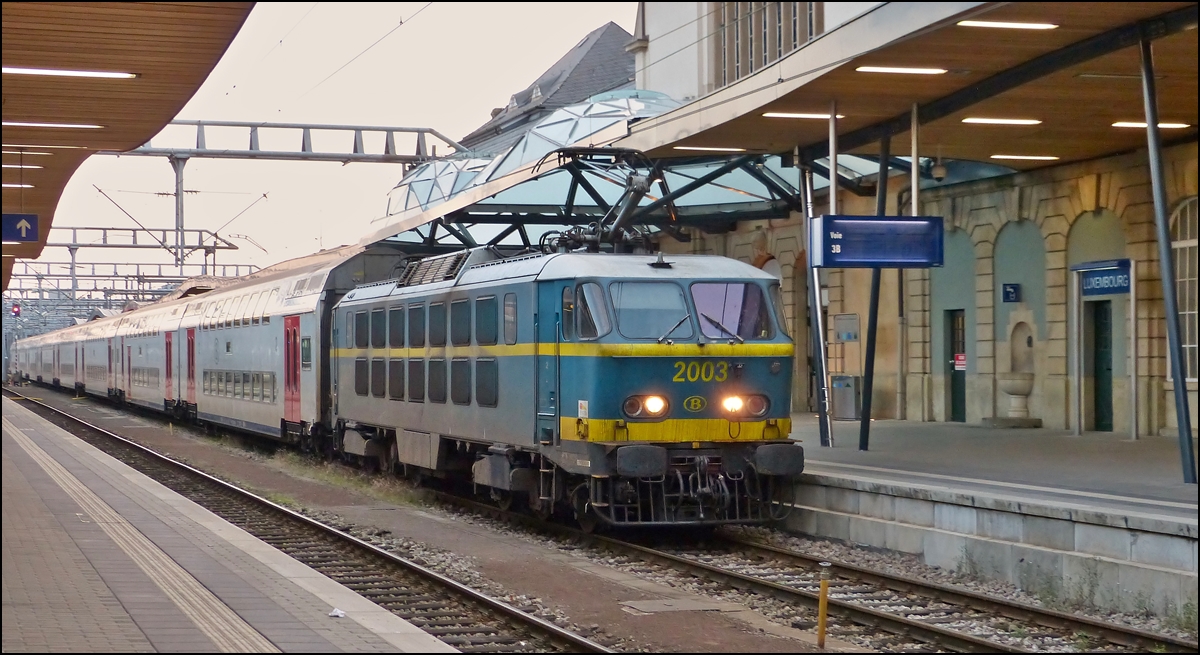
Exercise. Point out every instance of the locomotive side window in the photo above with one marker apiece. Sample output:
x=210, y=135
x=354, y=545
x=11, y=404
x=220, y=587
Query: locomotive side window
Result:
x=780, y=313
x=378, y=328
x=460, y=381
x=396, y=379
x=437, y=381
x=378, y=378
x=360, y=376
x=437, y=324
x=485, y=322
x=593, y=315
x=396, y=327
x=460, y=322
x=416, y=328
x=361, y=335
x=416, y=379
x=651, y=310
x=487, y=382
x=732, y=309
x=510, y=318
x=568, y=314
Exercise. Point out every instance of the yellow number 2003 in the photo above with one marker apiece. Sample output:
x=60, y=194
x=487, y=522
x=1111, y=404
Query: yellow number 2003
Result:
x=705, y=371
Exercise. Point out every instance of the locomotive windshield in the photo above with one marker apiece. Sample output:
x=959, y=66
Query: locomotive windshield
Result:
x=647, y=310
x=732, y=309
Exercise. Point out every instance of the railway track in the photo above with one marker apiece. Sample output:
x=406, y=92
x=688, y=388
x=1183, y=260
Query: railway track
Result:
x=914, y=614
x=454, y=613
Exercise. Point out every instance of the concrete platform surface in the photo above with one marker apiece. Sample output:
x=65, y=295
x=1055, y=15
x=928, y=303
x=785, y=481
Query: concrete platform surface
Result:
x=99, y=558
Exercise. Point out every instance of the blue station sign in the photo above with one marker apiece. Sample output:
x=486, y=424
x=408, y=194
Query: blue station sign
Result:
x=877, y=241
x=20, y=228
x=1103, y=278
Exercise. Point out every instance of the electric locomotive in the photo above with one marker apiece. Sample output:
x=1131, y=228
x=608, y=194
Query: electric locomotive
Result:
x=628, y=389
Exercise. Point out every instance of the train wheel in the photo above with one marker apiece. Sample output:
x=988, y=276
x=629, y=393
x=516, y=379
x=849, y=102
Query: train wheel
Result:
x=503, y=499
x=584, y=514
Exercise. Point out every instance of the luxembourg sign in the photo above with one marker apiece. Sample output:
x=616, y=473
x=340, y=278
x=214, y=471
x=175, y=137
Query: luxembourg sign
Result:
x=1103, y=278
x=877, y=241
x=20, y=228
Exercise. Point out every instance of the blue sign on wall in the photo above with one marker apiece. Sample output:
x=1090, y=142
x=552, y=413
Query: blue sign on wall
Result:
x=1104, y=278
x=877, y=241
x=20, y=228
x=1012, y=293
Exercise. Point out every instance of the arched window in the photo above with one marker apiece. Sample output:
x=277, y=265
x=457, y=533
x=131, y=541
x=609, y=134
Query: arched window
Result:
x=1184, y=250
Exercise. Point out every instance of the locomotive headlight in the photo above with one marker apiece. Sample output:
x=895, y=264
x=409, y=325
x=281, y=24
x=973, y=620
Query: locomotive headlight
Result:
x=632, y=406
x=756, y=405
x=655, y=405
x=732, y=404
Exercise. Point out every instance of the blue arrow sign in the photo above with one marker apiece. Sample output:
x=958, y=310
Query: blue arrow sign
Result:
x=20, y=228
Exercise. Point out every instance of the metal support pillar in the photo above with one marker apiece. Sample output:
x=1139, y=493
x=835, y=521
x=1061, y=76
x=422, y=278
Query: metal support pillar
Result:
x=1159, y=190
x=833, y=157
x=74, y=279
x=881, y=185
x=817, y=327
x=177, y=163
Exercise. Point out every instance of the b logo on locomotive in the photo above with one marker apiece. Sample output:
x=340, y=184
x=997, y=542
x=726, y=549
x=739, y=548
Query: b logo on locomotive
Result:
x=694, y=403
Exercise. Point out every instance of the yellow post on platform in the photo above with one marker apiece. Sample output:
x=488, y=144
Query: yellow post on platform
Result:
x=823, y=604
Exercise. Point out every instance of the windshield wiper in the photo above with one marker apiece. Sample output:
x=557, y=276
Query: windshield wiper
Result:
x=675, y=327
x=722, y=327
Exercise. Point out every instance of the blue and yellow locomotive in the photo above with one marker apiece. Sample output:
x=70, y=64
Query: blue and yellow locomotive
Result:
x=628, y=389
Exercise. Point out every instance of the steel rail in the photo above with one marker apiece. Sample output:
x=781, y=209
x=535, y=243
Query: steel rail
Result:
x=554, y=633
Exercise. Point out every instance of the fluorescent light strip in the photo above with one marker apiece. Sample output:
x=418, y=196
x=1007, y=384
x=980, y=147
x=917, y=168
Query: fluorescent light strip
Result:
x=12, y=70
x=1002, y=121
x=1026, y=157
x=20, y=166
x=26, y=152
x=710, y=149
x=1006, y=25
x=781, y=114
x=23, y=145
x=903, y=71
x=1161, y=126
x=17, y=186
x=71, y=126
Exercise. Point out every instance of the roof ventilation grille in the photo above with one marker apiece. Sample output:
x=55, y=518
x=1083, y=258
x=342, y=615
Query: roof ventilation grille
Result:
x=434, y=269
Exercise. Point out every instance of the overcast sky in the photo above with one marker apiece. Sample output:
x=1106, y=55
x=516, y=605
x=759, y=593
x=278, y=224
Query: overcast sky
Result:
x=445, y=68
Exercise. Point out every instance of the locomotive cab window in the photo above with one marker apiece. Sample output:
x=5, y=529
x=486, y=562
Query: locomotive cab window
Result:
x=651, y=310
x=568, y=313
x=460, y=322
x=780, y=312
x=378, y=328
x=510, y=318
x=732, y=310
x=437, y=324
x=361, y=335
x=593, y=315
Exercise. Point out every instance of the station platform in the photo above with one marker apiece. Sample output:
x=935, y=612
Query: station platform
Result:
x=99, y=558
x=1099, y=518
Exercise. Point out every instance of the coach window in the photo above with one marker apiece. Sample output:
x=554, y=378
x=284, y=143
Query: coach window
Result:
x=486, y=327
x=270, y=304
x=487, y=382
x=437, y=380
x=437, y=324
x=593, y=315
x=248, y=310
x=568, y=313
x=269, y=387
x=416, y=329
x=237, y=385
x=259, y=307
x=396, y=379
x=361, y=335
x=510, y=318
x=256, y=385
x=348, y=339
x=416, y=378
x=206, y=386
x=378, y=328
x=306, y=353
x=360, y=376
x=246, y=386
x=460, y=322
x=378, y=378
x=396, y=327
x=460, y=381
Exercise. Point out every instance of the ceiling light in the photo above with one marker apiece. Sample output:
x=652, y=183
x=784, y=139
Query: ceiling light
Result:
x=22, y=145
x=897, y=69
x=20, y=166
x=710, y=149
x=17, y=186
x=1006, y=25
x=1003, y=121
x=1026, y=157
x=12, y=70
x=1161, y=126
x=780, y=114
x=74, y=126
x=25, y=152
x=1114, y=76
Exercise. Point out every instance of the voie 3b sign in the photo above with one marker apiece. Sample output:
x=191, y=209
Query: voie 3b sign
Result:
x=876, y=241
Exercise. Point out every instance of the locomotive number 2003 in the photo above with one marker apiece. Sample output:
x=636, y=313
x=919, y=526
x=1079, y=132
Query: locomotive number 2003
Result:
x=706, y=371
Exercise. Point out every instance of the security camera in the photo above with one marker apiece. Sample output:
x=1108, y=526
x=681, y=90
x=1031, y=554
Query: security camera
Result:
x=938, y=172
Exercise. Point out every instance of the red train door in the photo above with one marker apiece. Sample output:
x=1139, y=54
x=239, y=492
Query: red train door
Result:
x=169, y=366
x=191, y=365
x=291, y=369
